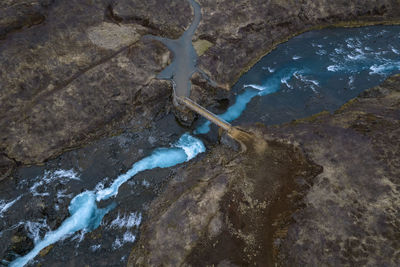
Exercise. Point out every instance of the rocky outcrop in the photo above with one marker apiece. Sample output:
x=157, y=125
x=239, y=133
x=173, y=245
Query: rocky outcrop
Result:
x=72, y=71
x=320, y=191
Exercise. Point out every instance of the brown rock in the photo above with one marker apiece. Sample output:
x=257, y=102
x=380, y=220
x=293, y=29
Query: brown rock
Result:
x=72, y=71
x=321, y=191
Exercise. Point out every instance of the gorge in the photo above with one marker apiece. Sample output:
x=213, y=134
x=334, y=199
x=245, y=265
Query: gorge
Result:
x=289, y=83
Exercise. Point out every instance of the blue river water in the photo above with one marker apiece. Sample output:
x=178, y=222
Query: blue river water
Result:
x=312, y=72
x=315, y=71
x=85, y=215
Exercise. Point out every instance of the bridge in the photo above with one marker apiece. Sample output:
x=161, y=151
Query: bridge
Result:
x=204, y=112
x=244, y=138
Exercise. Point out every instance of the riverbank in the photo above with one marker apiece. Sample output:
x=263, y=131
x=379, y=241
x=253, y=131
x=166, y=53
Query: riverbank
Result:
x=69, y=80
x=74, y=77
x=321, y=191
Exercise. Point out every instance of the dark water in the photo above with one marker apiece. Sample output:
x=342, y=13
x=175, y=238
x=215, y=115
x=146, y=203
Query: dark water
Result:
x=316, y=71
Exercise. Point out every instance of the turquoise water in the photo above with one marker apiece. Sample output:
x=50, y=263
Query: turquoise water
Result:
x=318, y=70
x=84, y=212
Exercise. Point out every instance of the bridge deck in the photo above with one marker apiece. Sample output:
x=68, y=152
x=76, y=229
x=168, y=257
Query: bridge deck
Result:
x=205, y=113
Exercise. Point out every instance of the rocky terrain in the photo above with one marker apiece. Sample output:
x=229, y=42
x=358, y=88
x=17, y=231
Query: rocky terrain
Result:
x=76, y=70
x=322, y=191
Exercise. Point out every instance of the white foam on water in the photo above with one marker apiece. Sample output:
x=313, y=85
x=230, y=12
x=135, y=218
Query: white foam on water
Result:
x=4, y=205
x=271, y=85
x=255, y=86
x=334, y=68
x=384, y=69
x=296, y=57
x=61, y=194
x=359, y=50
x=128, y=237
x=100, y=185
x=134, y=219
x=116, y=244
x=61, y=176
x=395, y=51
x=305, y=79
x=35, y=228
x=321, y=52
x=33, y=189
x=285, y=80
x=66, y=174
x=184, y=150
x=191, y=145
x=356, y=56
x=84, y=216
x=353, y=43
x=339, y=51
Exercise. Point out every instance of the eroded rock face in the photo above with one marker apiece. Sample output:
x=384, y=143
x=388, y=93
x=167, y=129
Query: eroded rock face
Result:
x=72, y=71
x=322, y=191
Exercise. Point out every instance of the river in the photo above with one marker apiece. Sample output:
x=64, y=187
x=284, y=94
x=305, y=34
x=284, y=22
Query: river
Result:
x=88, y=203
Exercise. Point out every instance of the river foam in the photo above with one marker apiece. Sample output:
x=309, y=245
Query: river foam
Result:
x=319, y=64
x=86, y=216
x=313, y=69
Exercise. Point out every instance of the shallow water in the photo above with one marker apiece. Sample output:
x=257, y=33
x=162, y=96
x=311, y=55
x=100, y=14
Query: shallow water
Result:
x=93, y=200
x=184, y=60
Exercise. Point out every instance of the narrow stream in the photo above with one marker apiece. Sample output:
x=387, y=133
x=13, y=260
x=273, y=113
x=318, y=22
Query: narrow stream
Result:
x=85, y=214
